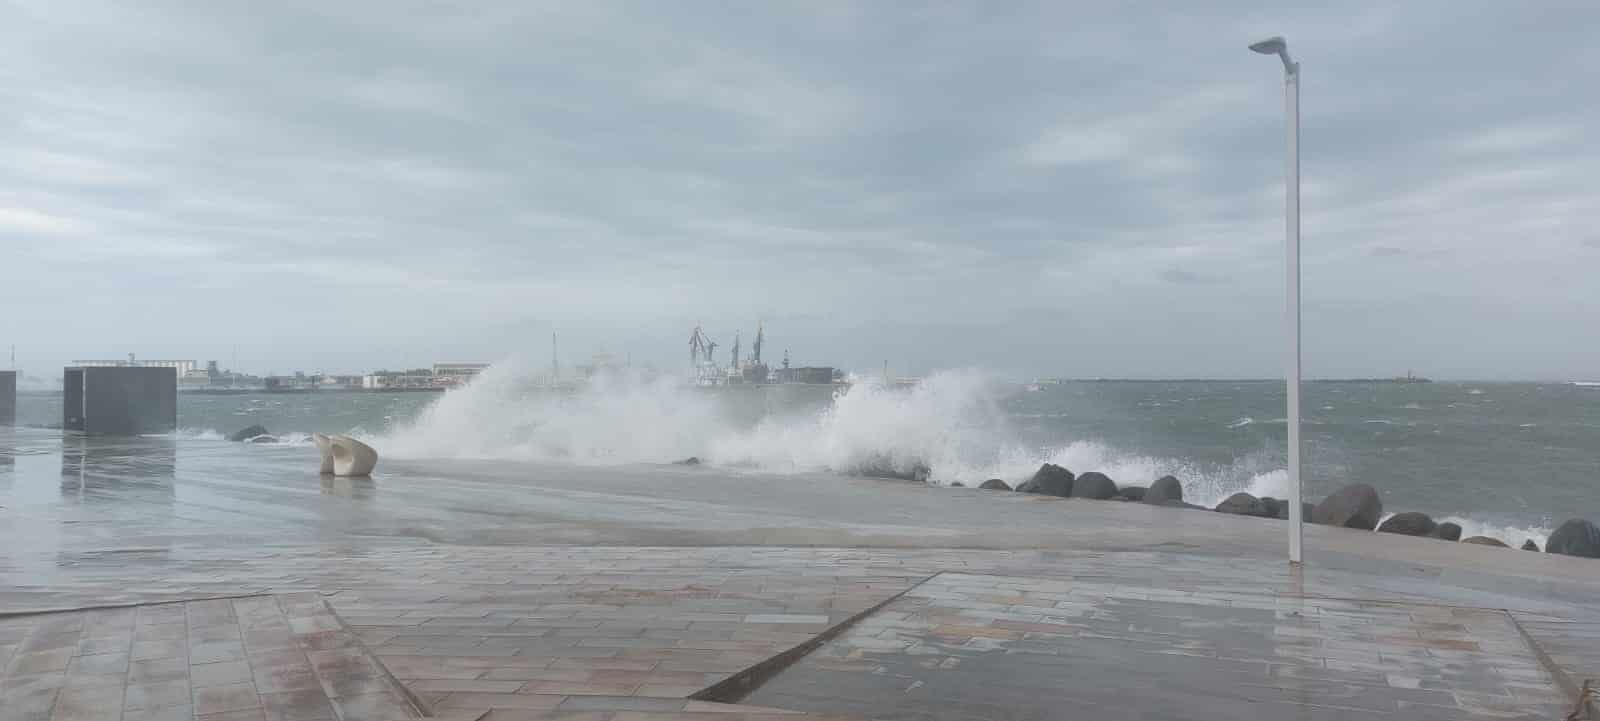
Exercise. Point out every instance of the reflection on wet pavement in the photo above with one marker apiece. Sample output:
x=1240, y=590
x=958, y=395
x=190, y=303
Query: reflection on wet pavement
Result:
x=965, y=647
x=138, y=470
x=348, y=487
x=284, y=657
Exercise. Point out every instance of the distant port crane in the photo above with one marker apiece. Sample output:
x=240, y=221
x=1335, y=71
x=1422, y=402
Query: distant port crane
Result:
x=701, y=347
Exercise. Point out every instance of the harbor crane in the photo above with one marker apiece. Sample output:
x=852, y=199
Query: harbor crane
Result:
x=701, y=347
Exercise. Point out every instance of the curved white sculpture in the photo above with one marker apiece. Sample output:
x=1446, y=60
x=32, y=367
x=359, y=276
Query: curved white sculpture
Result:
x=326, y=447
x=345, y=456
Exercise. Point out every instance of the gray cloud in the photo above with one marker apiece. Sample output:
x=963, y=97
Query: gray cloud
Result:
x=338, y=184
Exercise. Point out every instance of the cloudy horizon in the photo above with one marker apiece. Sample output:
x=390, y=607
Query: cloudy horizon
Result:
x=1044, y=189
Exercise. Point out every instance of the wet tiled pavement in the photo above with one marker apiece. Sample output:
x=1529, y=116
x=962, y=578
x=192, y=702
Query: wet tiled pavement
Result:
x=284, y=658
x=968, y=647
x=453, y=589
x=554, y=632
x=630, y=632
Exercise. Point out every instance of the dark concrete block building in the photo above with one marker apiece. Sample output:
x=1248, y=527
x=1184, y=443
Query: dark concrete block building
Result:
x=124, y=401
x=8, y=398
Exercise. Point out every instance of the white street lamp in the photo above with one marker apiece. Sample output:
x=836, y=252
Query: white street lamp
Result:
x=1291, y=98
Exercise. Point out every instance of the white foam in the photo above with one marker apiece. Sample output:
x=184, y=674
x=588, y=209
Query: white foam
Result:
x=1512, y=535
x=199, y=434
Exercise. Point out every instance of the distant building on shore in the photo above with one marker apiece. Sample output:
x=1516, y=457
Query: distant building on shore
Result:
x=414, y=379
x=452, y=374
x=183, y=367
x=820, y=375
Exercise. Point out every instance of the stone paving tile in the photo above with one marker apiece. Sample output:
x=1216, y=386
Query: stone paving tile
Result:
x=975, y=647
x=213, y=660
x=681, y=618
x=623, y=640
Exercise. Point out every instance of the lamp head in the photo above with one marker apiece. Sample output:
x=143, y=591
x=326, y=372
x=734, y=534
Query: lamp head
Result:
x=1276, y=45
x=1271, y=46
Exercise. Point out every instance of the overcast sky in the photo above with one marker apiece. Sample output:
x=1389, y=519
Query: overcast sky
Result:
x=1079, y=189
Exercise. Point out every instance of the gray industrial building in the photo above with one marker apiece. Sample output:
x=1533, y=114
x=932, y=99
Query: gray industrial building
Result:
x=126, y=401
x=8, y=398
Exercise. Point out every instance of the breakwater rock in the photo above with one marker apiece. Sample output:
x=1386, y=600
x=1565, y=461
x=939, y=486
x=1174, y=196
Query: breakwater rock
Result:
x=1576, y=537
x=1050, y=480
x=1244, y=504
x=1410, y=523
x=245, y=434
x=1094, y=485
x=1354, y=506
x=1165, y=488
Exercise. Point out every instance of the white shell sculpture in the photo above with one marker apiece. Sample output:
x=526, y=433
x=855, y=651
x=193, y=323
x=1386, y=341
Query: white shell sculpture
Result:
x=326, y=447
x=345, y=456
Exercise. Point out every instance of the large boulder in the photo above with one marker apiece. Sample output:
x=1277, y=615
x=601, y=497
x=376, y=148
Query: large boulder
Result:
x=1410, y=523
x=1132, y=493
x=1273, y=506
x=1485, y=541
x=1244, y=504
x=1166, y=488
x=1447, y=531
x=246, y=434
x=1305, y=510
x=1094, y=485
x=1354, y=506
x=1049, y=480
x=1576, y=537
x=1529, y=545
x=995, y=484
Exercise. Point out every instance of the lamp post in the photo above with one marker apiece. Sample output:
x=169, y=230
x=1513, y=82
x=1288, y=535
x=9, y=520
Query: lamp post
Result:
x=1291, y=98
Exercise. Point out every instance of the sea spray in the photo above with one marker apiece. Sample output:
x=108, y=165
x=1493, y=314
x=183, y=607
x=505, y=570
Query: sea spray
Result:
x=618, y=417
x=951, y=427
x=946, y=427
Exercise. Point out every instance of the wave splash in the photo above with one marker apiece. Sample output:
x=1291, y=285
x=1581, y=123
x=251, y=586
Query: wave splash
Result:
x=952, y=427
x=617, y=418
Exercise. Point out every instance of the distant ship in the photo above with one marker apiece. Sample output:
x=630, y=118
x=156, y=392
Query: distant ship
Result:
x=1587, y=384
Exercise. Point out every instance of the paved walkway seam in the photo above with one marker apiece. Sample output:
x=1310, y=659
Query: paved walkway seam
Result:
x=734, y=688
x=422, y=709
x=132, y=604
x=1570, y=686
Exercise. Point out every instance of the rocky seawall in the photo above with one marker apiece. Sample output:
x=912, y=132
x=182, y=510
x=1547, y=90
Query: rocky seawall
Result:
x=1356, y=506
